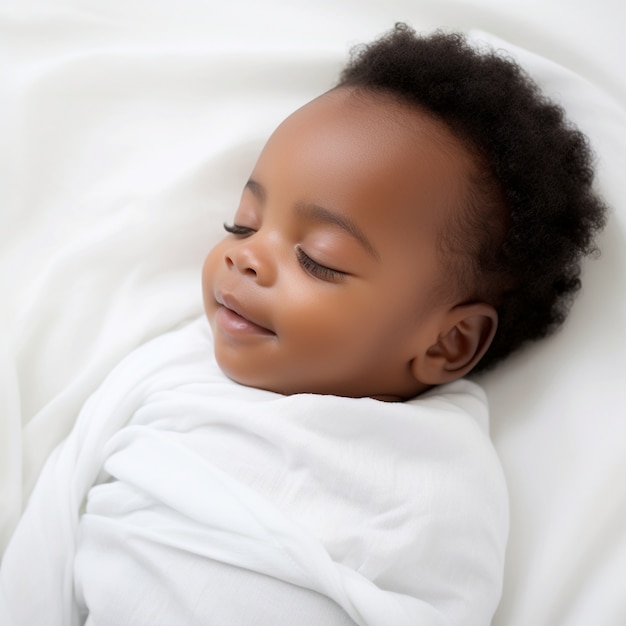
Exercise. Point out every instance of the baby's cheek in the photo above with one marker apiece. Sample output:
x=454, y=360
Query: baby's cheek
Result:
x=209, y=271
x=211, y=260
x=206, y=284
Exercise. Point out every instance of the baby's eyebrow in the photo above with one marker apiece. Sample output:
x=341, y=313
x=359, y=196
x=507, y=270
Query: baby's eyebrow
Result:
x=257, y=190
x=321, y=214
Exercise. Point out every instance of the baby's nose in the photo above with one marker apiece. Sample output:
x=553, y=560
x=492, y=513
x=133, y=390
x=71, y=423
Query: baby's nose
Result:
x=251, y=260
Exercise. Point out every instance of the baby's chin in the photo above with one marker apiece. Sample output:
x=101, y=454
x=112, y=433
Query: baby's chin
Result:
x=243, y=373
x=258, y=369
x=264, y=383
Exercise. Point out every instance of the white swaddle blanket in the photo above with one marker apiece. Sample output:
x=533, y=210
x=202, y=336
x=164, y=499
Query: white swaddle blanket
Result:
x=176, y=485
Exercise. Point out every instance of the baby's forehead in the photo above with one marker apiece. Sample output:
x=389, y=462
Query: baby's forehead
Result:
x=377, y=131
x=353, y=147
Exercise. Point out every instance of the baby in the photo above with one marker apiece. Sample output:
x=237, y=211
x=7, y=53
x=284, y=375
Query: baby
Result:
x=424, y=218
x=421, y=220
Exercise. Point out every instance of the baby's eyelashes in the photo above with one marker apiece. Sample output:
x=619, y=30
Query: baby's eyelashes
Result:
x=238, y=230
x=317, y=270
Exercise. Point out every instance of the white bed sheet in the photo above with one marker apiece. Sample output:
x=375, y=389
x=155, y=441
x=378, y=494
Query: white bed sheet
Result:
x=128, y=129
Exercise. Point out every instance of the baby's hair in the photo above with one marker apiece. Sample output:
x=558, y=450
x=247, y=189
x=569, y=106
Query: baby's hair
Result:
x=531, y=213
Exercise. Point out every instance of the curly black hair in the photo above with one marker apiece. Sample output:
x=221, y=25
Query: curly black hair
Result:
x=531, y=214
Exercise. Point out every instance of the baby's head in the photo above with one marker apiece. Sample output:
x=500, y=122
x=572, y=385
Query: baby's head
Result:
x=421, y=220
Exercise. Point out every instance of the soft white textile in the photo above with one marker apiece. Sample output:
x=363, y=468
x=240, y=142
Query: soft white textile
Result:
x=396, y=511
x=127, y=131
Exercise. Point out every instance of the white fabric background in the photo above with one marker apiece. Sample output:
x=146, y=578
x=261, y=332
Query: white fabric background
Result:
x=128, y=129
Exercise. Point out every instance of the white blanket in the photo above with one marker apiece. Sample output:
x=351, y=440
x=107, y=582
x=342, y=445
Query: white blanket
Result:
x=396, y=512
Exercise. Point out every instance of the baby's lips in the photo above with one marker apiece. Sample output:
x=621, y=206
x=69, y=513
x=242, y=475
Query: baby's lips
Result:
x=232, y=304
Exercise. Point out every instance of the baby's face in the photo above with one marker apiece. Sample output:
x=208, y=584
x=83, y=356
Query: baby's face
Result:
x=331, y=279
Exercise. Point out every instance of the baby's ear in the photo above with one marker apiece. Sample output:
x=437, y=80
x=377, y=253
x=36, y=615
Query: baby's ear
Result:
x=465, y=334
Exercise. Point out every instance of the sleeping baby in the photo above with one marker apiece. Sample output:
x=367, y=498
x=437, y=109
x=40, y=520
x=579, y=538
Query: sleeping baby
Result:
x=309, y=451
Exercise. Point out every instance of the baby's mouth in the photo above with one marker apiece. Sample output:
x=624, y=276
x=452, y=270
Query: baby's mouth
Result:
x=234, y=319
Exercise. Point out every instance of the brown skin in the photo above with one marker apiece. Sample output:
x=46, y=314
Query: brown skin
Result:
x=333, y=283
